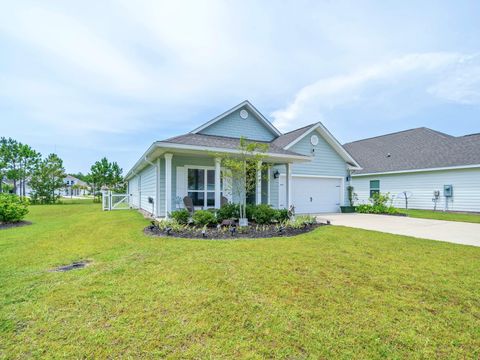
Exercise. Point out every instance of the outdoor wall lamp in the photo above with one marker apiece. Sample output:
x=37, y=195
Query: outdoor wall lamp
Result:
x=276, y=174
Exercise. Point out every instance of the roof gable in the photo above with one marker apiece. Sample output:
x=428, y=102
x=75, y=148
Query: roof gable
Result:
x=231, y=124
x=288, y=140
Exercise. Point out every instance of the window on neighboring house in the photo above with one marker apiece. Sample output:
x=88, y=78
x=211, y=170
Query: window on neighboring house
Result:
x=374, y=187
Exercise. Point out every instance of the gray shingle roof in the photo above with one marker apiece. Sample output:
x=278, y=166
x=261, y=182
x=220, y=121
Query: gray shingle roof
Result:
x=420, y=148
x=222, y=142
x=287, y=138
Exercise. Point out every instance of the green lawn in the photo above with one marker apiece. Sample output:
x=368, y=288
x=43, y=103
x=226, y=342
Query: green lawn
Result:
x=334, y=293
x=441, y=215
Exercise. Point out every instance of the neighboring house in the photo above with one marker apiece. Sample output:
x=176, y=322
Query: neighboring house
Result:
x=70, y=189
x=307, y=167
x=422, y=162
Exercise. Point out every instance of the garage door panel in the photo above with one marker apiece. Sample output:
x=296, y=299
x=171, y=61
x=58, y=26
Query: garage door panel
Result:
x=313, y=195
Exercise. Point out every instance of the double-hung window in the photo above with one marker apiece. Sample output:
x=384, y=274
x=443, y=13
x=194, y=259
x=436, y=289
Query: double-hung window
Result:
x=374, y=187
x=201, y=187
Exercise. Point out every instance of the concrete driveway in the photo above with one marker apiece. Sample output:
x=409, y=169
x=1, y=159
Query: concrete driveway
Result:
x=450, y=231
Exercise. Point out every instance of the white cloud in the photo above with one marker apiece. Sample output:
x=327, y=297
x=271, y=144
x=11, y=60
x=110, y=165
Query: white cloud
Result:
x=312, y=100
x=71, y=45
x=462, y=84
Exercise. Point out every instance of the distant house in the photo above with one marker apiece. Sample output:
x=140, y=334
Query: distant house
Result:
x=427, y=165
x=307, y=167
x=70, y=188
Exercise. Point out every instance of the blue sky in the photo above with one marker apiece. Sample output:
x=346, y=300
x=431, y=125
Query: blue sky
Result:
x=89, y=79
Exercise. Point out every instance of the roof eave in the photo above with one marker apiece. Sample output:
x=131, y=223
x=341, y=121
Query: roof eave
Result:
x=166, y=146
x=459, y=167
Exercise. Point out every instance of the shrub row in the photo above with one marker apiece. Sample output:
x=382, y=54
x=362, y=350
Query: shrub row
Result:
x=261, y=214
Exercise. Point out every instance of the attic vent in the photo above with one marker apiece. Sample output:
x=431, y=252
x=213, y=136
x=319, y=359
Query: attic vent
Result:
x=243, y=114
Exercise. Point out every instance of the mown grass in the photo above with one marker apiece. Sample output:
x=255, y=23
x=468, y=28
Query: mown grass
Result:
x=442, y=215
x=334, y=293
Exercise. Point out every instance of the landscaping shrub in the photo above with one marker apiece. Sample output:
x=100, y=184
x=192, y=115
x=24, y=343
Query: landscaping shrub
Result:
x=12, y=208
x=204, y=218
x=263, y=214
x=228, y=211
x=181, y=216
x=172, y=224
x=281, y=215
x=379, y=205
x=301, y=221
x=250, y=211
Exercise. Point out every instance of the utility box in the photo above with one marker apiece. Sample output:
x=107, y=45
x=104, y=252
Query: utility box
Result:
x=448, y=191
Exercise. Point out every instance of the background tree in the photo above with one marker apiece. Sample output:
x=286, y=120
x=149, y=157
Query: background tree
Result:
x=11, y=154
x=105, y=174
x=29, y=160
x=3, y=163
x=17, y=163
x=47, y=180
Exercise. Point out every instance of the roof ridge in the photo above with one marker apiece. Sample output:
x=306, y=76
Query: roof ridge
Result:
x=303, y=127
x=394, y=133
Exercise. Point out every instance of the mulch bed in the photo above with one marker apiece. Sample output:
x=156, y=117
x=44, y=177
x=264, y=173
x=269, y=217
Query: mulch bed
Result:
x=8, y=225
x=250, y=232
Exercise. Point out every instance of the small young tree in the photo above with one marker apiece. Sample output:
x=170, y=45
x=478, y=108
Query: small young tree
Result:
x=47, y=180
x=241, y=169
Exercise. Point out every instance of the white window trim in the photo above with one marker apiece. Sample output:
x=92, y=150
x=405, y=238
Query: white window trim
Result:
x=205, y=191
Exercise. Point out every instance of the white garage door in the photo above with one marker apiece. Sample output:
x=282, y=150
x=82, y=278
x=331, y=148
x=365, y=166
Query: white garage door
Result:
x=312, y=195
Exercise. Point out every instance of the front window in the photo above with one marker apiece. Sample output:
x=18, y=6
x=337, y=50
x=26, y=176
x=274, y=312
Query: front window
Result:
x=374, y=187
x=201, y=187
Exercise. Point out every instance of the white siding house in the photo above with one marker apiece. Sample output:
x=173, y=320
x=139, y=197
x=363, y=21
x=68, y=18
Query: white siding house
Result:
x=422, y=163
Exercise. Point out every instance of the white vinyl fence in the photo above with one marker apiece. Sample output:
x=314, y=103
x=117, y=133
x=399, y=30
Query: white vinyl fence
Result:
x=111, y=201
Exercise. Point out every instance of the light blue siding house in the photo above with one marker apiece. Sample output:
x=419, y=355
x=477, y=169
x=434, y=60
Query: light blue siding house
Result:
x=306, y=168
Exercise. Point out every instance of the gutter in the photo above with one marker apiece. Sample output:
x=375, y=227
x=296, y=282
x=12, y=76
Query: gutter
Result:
x=419, y=170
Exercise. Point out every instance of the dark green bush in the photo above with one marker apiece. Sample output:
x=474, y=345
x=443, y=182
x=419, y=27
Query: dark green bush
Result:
x=281, y=215
x=250, y=211
x=181, y=216
x=228, y=211
x=12, y=207
x=204, y=218
x=263, y=214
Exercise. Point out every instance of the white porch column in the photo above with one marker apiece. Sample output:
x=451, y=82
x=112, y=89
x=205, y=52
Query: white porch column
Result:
x=258, y=189
x=217, y=183
x=157, y=189
x=269, y=170
x=168, y=184
x=289, y=184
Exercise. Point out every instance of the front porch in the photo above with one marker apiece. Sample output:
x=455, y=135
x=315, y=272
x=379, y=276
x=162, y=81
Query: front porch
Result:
x=200, y=176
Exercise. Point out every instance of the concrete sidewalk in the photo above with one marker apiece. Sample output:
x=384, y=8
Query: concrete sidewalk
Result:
x=450, y=231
